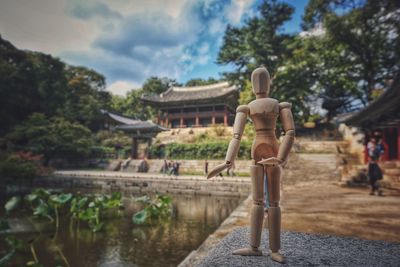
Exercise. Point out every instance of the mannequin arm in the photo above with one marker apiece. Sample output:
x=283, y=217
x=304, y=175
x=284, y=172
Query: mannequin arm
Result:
x=288, y=140
x=234, y=145
x=288, y=126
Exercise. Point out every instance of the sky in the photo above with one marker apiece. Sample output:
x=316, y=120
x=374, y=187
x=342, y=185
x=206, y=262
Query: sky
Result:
x=129, y=41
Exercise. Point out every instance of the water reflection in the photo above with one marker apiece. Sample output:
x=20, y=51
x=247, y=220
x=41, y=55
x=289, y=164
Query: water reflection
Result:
x=124, y=244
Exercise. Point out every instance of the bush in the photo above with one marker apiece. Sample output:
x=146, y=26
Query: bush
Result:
x=205, y=150
x=101, y=152
x=21, y=165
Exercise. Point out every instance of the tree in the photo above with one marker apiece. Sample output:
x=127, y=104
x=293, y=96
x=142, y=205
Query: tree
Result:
x=260, y=42
x=155, y=85
x=52, y=138
x=35, y=82
x=199, y=82
x=132, y=106
x=17, y=97
x=85, y=96
x=368, y=31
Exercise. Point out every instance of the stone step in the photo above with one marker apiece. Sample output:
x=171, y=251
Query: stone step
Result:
x=392, y=172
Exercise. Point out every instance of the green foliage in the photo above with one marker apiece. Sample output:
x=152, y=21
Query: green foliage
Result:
x=200, y=82
x=112, y=139
x=260, y=42
x=219, y=130
x=368, y=34
x=53, y=138
x=203, y=150
x=155, y=85
x=13, y=245
x=357, y=53
x=35, y=82
x=21, y=165
x=89, y=208
x=12, y=203
x=131, y=105
x=154, y=209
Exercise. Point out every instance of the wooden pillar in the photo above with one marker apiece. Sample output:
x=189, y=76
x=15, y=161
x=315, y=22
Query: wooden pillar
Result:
x=385, y=144
x=213, y=116
x=225, y=116
x=146, y=154
x=398, y=142
x=181, y=119
x=134, y=148
x=197, y=118
x=166, y=118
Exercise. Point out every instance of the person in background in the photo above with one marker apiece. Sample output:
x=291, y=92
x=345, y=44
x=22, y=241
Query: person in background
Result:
x=375, y=152
x=206, y=167
x=170, y=168
x=177, y=168
x=165, y=167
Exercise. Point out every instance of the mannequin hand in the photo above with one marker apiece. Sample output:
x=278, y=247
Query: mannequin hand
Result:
x=218, y=169
x=273, y=161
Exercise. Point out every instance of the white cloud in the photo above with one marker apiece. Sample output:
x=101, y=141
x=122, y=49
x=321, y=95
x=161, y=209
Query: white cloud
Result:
x=216, y=26
x=237, y=9
x=42, y=25
x=126, y=40
x=121, y=87
x=203, y=48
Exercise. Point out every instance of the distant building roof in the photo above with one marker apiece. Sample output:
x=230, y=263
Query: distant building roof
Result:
x=176, y=95
x=383, y=112
x=128, y=124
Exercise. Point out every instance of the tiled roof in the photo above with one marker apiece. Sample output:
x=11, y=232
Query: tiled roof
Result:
x=180, y=94
x=384, y=111
x=130, y=124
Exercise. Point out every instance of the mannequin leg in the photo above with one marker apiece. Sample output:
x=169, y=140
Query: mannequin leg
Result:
x=257, y=212
x=274, y=213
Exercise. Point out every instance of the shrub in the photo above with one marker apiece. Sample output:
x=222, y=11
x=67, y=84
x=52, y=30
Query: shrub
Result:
x=204, y=150
x=21, y=165
x=219, y=130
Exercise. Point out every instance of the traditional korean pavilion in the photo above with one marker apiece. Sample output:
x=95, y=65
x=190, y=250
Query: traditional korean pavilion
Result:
x=382, y=115
x=137, y=129
x=198, y=106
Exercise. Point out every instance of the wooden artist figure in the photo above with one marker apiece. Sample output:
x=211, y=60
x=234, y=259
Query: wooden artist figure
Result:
x=268, y=157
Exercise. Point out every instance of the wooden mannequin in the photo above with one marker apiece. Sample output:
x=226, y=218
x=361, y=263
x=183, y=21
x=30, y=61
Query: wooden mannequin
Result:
x=267, y=158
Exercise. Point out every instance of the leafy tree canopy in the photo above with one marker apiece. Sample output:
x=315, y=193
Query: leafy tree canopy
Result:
x=35, y=82
x=53, y=138
x=200, y=82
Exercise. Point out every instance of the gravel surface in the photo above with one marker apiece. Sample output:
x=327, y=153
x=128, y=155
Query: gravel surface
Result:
x=302, y=249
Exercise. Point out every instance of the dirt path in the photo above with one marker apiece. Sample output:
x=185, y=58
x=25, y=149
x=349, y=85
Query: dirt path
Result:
x=329, y=209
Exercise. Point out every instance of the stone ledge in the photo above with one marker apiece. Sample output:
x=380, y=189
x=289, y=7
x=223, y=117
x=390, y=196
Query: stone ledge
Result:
x=303, y=249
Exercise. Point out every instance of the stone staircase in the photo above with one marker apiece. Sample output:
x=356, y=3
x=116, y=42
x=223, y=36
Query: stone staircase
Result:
x=391, y=174
x=354, y=172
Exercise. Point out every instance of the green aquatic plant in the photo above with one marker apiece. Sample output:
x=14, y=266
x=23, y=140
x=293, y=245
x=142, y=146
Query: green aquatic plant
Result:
x=155, y=208
x=12, y=203
x=13, y=245
x=49, y=203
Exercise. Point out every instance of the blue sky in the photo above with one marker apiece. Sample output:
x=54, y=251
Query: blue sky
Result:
x=131, y=40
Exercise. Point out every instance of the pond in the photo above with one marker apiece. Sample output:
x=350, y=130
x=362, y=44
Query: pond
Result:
x=121, y=243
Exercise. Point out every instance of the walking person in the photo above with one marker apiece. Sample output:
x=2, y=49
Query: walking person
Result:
x=165, y=168
x=375, y=151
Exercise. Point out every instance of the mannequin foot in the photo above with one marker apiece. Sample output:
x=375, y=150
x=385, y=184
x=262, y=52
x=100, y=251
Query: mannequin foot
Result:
x=248, y=252
x=278, y=257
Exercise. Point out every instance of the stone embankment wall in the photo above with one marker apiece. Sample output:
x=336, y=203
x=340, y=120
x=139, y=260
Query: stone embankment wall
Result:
x=303, y=148
x=146, y=183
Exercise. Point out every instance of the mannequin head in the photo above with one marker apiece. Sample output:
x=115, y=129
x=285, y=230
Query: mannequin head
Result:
x=260, y=81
